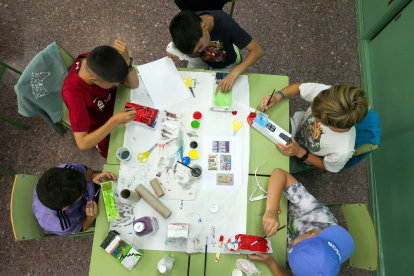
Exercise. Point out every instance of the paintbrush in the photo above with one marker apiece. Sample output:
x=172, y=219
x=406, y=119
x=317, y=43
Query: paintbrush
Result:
x=205, y=259
x=219, y=248
x=96, y=194
x=188, y=167
x=262, y=238
x=269, y=99
x=255, y=112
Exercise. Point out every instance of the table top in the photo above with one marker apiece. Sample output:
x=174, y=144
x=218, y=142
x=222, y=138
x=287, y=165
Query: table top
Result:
x=261, y=148
x=104, y=264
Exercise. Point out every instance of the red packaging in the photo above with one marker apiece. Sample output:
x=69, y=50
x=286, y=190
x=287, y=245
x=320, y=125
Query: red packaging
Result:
x=145, y=115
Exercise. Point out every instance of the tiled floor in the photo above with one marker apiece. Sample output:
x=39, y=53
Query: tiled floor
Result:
x=305, y=40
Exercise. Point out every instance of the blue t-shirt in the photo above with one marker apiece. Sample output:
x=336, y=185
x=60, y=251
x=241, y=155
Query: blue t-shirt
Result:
x=70, y=220
x=226, y=32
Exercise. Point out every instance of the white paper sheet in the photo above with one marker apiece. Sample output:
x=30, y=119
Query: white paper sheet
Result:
x=163, y=83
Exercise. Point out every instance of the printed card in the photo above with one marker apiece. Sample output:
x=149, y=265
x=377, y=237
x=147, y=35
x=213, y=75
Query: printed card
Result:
x=221, y=146
x=225, y=179
x=213, y=162
x=225, y=162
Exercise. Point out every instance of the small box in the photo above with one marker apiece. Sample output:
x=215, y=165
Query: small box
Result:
x=178, y=230
x=268, y=128
x=146, y=116
x=121, y=250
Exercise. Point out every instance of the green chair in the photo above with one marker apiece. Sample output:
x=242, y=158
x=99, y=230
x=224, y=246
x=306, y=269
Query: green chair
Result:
x=233, y=3
x=365, y=148
x=361, y=227
x=24, y=223
x=67, y=58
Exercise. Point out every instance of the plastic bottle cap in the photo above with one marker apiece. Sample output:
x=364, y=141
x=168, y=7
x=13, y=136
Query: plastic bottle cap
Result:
x=162, y=268
x=186, y=160
x=139, y=227
x=237, y=272
x=214, y=208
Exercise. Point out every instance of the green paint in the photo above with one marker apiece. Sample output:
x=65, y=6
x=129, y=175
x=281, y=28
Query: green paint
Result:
x=222, y=99
x=110, y=201
x=195, y=124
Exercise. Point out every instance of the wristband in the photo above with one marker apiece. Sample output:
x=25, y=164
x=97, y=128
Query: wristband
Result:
x=305, y=156
x=95, y=172
x=281, y=94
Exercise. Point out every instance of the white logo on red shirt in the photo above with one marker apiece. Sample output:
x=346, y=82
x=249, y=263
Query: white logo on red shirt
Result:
x=101, y=105
x=77, y=65
x=96, y=98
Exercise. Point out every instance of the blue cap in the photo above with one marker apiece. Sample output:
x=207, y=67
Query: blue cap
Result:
x=323, y=254
x=186, y=160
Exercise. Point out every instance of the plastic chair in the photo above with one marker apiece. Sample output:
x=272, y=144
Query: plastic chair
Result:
x=361, y=227
x=24, y=223
x=233, y=3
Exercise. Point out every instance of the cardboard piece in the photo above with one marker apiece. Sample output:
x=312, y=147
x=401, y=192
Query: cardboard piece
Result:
x=241, y=243
x=112, y=202
x=146, y=116
x=153, y=201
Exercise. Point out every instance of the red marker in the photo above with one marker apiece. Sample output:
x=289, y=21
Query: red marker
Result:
x=219, y=248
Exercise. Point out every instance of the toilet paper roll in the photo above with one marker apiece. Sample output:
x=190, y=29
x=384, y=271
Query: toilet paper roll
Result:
x=153, y=201
x=130, y=195
x=157, y=187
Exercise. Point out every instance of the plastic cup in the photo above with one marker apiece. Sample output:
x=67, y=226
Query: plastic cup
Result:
x=123, y=154
x=197, y=172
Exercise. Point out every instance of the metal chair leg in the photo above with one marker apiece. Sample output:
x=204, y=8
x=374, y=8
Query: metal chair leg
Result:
x=22, y=126
x=8, y=172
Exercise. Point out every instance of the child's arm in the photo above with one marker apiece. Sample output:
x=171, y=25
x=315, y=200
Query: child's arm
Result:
x=270, y=262
x=255, y=53
x=92, y=212
x=279, y=181
x=132, y=78
x=289, y=91
x=86, y=141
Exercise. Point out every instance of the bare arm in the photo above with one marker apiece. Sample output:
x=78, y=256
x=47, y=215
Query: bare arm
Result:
x=312, y=159
x=132, y=78
x=92, y=212
x=289, y=91
x=267, y=259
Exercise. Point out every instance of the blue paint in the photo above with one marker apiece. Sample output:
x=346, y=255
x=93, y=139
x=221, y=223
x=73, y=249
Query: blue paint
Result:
x=130, y=233
x=261, y=120
x=199, y=220
x=180, y=152
x=186, y=160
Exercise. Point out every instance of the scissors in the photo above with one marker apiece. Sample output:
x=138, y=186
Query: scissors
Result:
x=236, y=126
x=189, y=83
x=143, y=157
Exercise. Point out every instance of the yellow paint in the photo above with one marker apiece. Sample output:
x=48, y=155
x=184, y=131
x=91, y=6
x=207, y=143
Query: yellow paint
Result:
x=193, y=154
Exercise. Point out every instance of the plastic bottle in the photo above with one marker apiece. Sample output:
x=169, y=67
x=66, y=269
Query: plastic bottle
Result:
x=165, y=265
x=145, y=225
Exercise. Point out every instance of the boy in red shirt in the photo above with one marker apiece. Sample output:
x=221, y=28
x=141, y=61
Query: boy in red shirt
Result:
x=89, y=92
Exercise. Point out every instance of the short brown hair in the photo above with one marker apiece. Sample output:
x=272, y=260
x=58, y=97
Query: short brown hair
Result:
x=341, y=106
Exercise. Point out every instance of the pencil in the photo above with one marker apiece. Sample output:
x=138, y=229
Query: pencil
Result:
x=205, y=259
x=269, y=99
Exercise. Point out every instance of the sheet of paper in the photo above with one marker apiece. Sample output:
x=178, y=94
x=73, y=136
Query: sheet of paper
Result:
x=163, y=83
x=140, y=94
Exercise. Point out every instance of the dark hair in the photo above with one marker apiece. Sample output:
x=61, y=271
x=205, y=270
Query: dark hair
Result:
x=186, y=31
x=107, y=64
x=60, y=187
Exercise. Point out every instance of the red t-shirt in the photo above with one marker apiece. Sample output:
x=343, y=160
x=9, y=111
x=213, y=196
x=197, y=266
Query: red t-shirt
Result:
x=90, y=107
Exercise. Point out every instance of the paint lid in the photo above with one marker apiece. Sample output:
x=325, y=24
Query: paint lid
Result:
x=162, y=268
x=186, y=160
x=237, y=272
x=214, y=208
x=139, y=227
x=193, y=154
x=197, y=115
x=195, y=124
x=193, y=144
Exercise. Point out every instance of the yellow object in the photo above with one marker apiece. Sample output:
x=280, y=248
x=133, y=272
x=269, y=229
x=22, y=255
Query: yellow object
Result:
x=188, y=82
x=143, y=157
x=255, y=112
x=236, y=126
x=193, y=154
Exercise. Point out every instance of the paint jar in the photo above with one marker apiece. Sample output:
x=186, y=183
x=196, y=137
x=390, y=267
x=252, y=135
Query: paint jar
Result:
x=237, y=272
x=193, y=144
x=197, y=172
x=197, y=115
x=166, y=264
x=145, y=225
x=251, y=118
x=186, y=160
x=213, y=208
x=193, y=154
x=195, y=124
x=123, y=154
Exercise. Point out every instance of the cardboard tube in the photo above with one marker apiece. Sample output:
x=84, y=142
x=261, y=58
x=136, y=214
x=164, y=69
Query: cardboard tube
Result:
x=130, y=195
x=157, y=187
x=153, y=201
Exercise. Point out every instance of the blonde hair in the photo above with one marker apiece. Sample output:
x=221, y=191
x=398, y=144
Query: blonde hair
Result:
x=341, y=106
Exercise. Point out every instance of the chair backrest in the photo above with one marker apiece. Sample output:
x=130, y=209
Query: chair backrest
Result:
x=68, y=59
x=361, y=227
x=24, y=223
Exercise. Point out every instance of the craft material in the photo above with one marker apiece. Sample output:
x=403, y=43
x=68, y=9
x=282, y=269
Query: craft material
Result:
x=164, y=84
x=237, y=272
x=170, y=126
x=269, y=100
x=193, y=154
x=157, y=187
x=193, y=144
x=213, y=162
x=168, y=133
x=236, y=126
x=186, y=160
x=146, y=116
x=262, y=238
x=123, y=154
x=96, y=194
x=174, y=51
x=221, y=101
x=110, y=200
x=242, y=243
x=219, y=248
x=178, y=230
x=166, y=264
x=205, y=259
x=194, y=242
x=130, y=195
x=197, y=115
x=234, y=112
x=195, y=124
x=255, y=112
x=145, y=225
x=143, y=157
x=269, y=129
x=226, y=179
x=189, y=83
x=247, y=267
x=121, y=250
x=260, y=197
x=153, y=201
x=213, y=208
x=196, y=171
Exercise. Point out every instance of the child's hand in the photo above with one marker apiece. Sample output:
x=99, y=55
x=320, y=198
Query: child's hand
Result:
x=227, y=83
x=261, y=257
x=270, y=223
x=293, y=149
x=272, y=102
x=171, y=56
x=125, y=116
x=92, y=209
x=98, y=177
x=121, y=47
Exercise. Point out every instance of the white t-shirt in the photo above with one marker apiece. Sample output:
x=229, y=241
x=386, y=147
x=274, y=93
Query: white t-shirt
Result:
x=336, y=148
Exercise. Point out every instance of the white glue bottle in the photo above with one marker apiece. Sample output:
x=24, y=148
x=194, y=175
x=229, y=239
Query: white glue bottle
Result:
x=174, y=51
x=165, y=265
